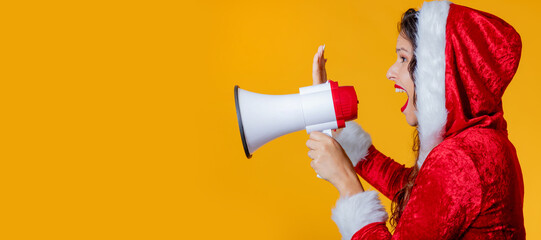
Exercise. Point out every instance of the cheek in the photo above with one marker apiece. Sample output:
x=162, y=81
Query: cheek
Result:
x=408, y=82
x=410, y=88
x=405, y=74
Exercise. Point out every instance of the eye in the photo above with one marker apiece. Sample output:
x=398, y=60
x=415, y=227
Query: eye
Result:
x=403, y=59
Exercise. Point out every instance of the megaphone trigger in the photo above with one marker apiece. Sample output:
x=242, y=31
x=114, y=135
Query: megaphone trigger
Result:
x=328, y=132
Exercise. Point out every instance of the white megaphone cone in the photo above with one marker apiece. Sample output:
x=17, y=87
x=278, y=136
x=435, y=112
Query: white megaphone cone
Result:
x=263, y=118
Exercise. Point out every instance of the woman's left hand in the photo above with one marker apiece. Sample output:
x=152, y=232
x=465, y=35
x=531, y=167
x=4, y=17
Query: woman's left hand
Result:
x=332, y=164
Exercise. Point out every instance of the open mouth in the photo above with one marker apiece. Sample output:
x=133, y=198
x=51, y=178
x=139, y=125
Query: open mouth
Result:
x=402, y=90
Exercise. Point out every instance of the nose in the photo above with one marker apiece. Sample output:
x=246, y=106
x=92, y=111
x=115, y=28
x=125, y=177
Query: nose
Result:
x=391, y=73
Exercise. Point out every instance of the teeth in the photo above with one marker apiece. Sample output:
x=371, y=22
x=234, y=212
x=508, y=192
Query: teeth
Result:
x=399, y=90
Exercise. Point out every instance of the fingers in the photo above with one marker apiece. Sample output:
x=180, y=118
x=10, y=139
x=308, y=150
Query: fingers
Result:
x=318, y=136
x=316, y=73
x=311, y=154
x=321, y=60
x=319, y=74
x=320, y=57
x=311, y=144
x=315, y=66
x=321, y=63
x=317, y=58
x=315, y=165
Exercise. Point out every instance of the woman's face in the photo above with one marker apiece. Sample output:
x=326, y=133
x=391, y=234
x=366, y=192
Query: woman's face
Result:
x=399, y=74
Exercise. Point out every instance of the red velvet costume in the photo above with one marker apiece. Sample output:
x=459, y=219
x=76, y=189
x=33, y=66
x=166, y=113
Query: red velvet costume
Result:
x=470, y=183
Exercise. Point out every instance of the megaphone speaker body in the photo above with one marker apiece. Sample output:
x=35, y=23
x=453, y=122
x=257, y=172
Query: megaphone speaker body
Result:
x=263, y=117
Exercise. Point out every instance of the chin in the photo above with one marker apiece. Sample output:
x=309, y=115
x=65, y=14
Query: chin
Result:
x=412, y=121
x=413, y=124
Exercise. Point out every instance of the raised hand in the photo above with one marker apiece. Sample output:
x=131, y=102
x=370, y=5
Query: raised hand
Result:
x=319, y=74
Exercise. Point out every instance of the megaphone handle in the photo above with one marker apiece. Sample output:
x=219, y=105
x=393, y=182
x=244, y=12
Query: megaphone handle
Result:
x=329, y=133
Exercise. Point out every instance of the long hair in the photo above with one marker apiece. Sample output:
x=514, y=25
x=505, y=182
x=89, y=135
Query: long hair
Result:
x=408, y=29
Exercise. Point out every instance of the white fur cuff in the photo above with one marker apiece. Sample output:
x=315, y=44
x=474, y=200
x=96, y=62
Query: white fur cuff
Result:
x=355, y=141
x=354, y=212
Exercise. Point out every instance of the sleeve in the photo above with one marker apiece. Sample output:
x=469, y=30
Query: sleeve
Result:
x=382, y=172
x=444, y=202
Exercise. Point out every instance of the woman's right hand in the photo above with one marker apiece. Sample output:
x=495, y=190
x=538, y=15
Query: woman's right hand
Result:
x=319, y=74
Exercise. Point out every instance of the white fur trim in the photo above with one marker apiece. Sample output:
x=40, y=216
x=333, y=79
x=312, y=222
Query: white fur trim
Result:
x=354, y=212
x=430, y=75
x=355, y=141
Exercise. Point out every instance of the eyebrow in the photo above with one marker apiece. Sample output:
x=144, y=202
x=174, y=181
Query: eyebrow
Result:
x=403, y=49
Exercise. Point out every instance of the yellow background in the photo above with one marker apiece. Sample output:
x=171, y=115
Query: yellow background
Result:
x=118, y=118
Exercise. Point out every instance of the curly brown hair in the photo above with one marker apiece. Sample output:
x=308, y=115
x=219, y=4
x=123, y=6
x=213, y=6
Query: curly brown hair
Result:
x=407, y=27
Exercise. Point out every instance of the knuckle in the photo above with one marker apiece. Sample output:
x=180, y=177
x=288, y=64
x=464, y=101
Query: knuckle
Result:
x=325, y=147
x=331, y=140
x=328, y=146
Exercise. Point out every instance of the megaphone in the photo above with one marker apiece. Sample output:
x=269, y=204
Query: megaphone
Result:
x=263, y=118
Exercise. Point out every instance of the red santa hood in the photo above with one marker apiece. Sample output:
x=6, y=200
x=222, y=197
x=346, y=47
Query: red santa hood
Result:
x=465, y=60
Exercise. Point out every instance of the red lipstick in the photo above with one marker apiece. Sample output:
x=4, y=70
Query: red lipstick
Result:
x=405, y=105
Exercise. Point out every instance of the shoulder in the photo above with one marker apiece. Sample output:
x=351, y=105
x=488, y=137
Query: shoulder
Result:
x=451, y=161
x=463, y=158
x=449, y=153
x=472, y=148
x=451, y=177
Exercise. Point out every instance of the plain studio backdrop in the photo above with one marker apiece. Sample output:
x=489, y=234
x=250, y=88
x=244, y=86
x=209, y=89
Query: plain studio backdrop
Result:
x=118, y=117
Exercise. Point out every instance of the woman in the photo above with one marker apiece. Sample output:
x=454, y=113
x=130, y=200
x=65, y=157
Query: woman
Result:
x=454, y=64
